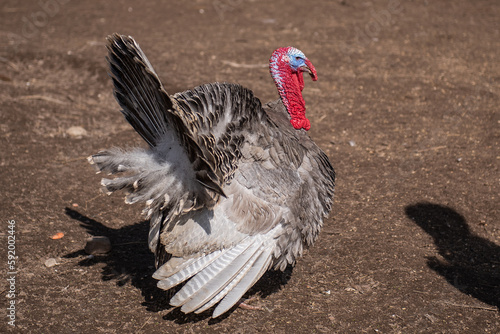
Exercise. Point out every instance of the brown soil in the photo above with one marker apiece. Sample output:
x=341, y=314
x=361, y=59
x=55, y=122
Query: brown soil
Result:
x=406, y=106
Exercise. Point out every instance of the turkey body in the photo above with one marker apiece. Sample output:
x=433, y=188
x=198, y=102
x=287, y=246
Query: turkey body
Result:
x=231, y=188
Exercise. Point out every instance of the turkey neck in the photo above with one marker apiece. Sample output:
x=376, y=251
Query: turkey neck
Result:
x=290, y=85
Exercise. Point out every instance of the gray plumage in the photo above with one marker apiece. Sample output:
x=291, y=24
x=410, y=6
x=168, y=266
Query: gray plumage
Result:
x=231, y=188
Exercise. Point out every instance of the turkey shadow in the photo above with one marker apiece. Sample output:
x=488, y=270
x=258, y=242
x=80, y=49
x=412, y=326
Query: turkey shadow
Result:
x=471, y=263
x=130, y=260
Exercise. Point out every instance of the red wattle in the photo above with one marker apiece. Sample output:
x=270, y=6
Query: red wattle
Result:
x=300, y=122
x=296, y=104
x=300, y=79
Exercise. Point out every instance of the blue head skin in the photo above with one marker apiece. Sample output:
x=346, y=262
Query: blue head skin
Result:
x=297, y=59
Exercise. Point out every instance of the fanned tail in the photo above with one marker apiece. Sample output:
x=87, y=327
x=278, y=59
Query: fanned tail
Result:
x=172, y=176
x=138, y=89
x=150, y=110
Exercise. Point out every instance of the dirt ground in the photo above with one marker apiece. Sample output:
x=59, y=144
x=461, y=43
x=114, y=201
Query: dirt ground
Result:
x=406, y=107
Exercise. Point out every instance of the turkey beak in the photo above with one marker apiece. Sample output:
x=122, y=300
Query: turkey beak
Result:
x=309, y=68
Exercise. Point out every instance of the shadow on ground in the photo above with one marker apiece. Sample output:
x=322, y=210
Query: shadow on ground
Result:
x=131, y=261
x=470, y=263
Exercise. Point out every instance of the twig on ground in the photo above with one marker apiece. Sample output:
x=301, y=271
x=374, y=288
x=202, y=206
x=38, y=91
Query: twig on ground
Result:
x=8, y=62
x=473, y=306
x=432, y=148
x=144, y=324
x=42, y=97
x=65, y=161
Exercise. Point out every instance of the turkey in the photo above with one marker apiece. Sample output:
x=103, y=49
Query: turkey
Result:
x=231, y=188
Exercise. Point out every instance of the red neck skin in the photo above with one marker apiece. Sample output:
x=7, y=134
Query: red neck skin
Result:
x=290, y=85
x=294, y=102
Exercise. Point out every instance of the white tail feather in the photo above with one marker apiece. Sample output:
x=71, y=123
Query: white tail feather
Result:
x=255, y=265
x=173, y=266
x=208, y=273
x=258, y=268
x=211, y=288
x=170, y=279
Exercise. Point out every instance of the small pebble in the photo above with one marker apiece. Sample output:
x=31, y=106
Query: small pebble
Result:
x=352, y=143
x=76, y=132
x=98, y=245
x=51, y=262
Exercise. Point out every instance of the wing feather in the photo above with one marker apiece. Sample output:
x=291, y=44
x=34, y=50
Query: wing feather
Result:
x=177, y=270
